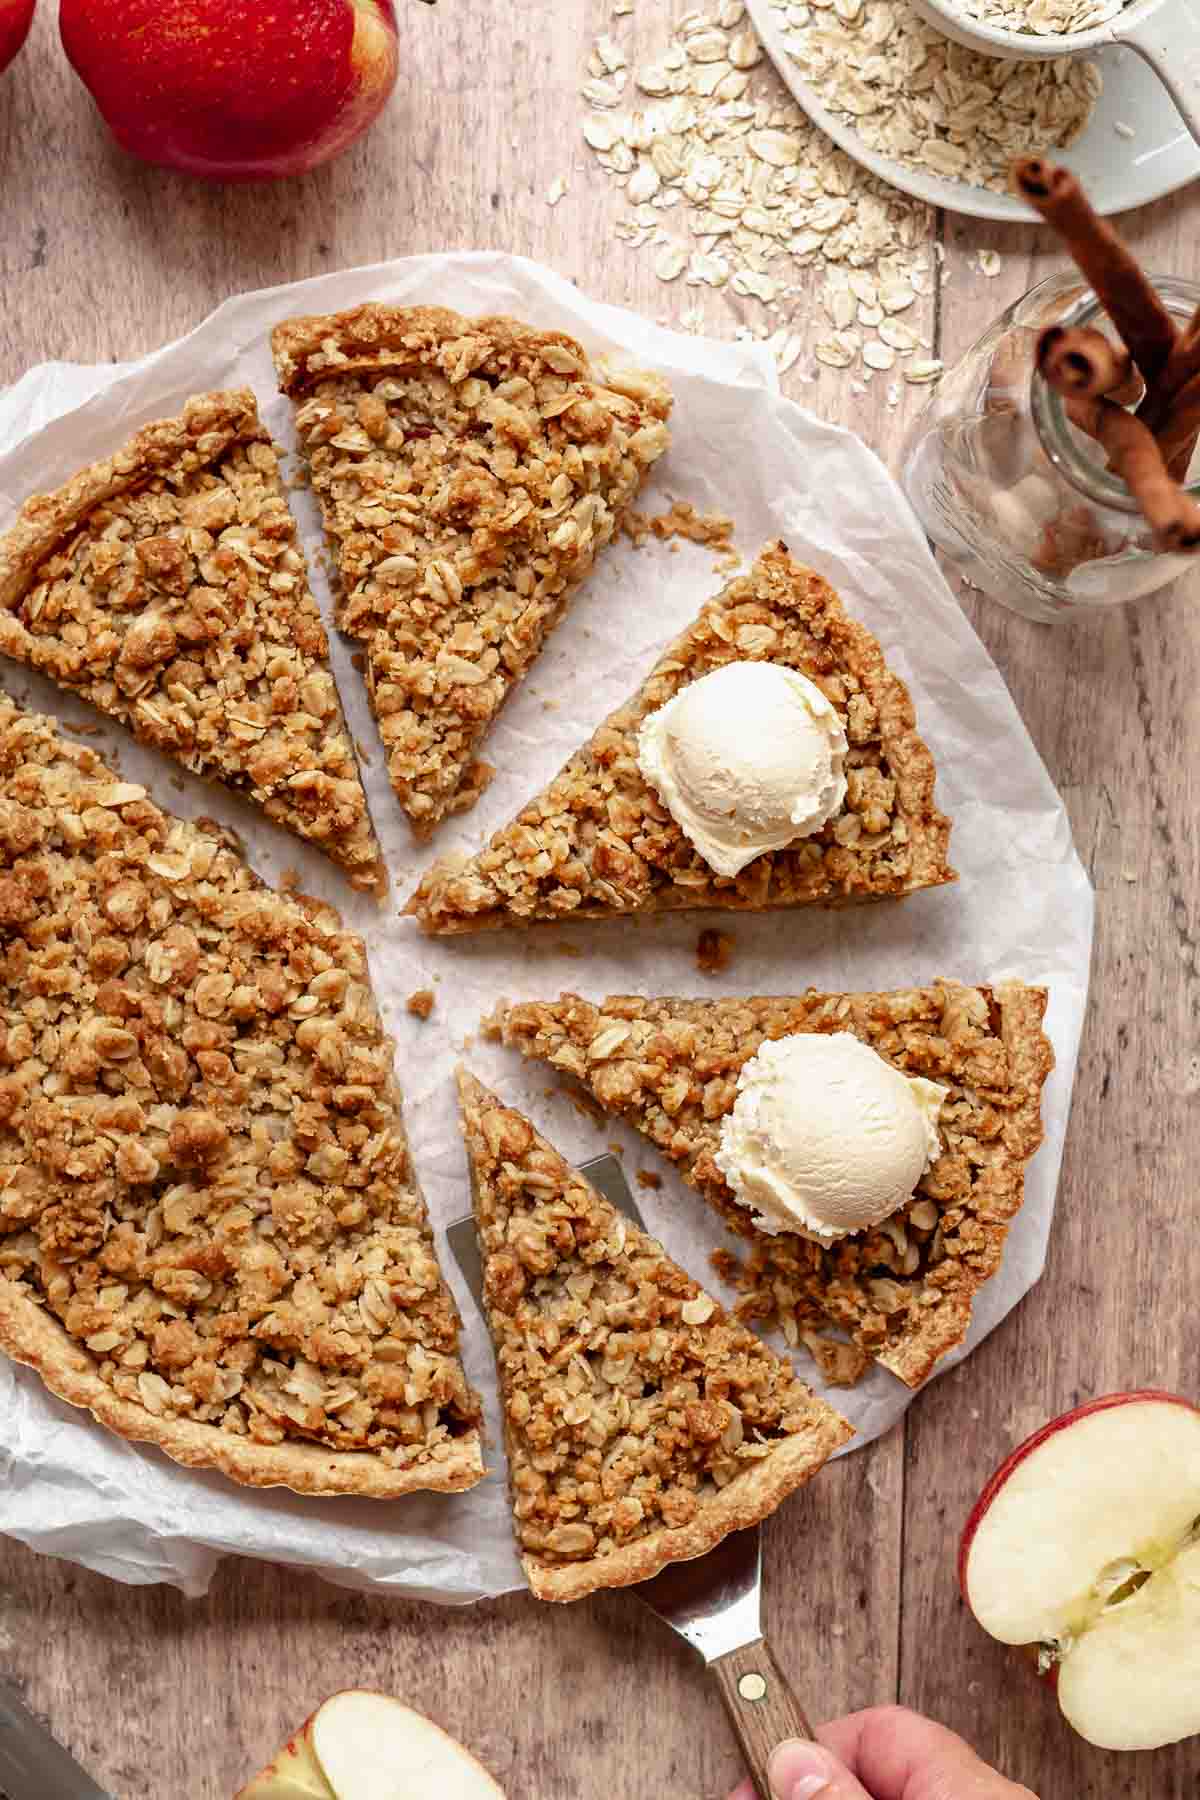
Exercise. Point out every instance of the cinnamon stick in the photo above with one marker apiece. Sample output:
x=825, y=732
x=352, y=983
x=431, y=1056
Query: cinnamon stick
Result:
x=1179, y=432
x=1122, y=288
x=1136, y=458
x=1081, y=360
x=1182, y=364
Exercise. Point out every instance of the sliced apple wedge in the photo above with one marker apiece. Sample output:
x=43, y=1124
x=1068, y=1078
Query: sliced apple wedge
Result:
x=360, y=1745
x=1086, y=1544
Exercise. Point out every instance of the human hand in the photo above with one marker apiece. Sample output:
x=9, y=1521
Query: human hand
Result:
x=886, y=1753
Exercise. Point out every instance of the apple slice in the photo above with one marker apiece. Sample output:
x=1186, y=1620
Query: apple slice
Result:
x=1086, y=1543
x=360, y=1745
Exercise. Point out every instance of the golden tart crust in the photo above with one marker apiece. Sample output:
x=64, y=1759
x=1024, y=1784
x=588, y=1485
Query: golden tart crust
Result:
x=166, y=585
x=902, y=1293
x=598, y=842
x=210, y=1232
x=469, y=471
x=642, y=1423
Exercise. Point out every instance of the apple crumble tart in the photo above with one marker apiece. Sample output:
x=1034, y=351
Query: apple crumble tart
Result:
x=167, y=587
x=901, y=1293
x=599, y=841
x=210, y=1232
x=468, y=470
x=642, y=1423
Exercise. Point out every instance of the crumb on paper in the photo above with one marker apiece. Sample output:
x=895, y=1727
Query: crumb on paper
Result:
x=420, y=1004
x=616, y=1148
x=491, y=1025
x=556, y=191
x=1129, y=875
x=364, y=755
x=358, y=662
x=1123, y=130
x=989, y=263
x=680, y=520
x=289, y=879
x=563, y=948
x=714, y=951
x=649, y=1178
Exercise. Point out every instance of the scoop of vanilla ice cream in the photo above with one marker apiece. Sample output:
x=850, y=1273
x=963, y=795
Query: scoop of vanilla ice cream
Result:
x=826, y=1138
x=745, y=760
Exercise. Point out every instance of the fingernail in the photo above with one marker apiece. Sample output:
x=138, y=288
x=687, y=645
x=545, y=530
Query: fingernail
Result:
x=799, y=1771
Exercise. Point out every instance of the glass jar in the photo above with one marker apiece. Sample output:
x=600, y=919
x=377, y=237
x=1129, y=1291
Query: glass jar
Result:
x=1019, y=499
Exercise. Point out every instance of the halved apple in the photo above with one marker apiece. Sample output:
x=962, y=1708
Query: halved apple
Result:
x=360, y=1745
x=1086, y=1544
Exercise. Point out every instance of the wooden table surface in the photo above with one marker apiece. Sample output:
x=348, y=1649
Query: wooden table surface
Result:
x=162, y=1696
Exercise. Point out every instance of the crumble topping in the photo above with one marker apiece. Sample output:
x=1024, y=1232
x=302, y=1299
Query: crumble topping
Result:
x=902, y=1292
x=599, y=840
x=168, y=588
x=468, y=471
x=630, y=1396
x=204, y=1175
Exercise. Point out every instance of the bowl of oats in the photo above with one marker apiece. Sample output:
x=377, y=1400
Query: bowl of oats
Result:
x=902, y=87
x=1166, y=33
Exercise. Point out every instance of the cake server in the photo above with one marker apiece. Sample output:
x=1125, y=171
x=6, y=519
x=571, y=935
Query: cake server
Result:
x=34, y=1765
x=715, y=1601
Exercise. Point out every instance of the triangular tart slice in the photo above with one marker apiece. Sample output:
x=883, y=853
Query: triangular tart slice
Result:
x=469, y=470
x=902, y=1293
x=166, y=585
x=643, y=1424
x=598, y=841
x=211, y=1236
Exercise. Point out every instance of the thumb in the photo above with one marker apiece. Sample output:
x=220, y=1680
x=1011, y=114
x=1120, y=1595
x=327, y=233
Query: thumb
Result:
x=802, y=1771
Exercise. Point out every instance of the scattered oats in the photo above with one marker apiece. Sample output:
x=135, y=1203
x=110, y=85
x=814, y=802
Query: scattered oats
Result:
x=671, y=261
x=781, y=149
x=896, y=296
x=643, y=184
x=878, y=356
x=924, y=369
x=611, y=54
x=707, y=46
x=858, y=388
x=833, y=352
x=601, y=93
x=1123, y=130
x=745, y=50
x=622, y=8
x=730, y=13
x=871, y=316
x=761, y=286
x=556, y=191
x=893, y=395
x=898, y=336
x=989, y=263
x=600, y=134
x=652, y=78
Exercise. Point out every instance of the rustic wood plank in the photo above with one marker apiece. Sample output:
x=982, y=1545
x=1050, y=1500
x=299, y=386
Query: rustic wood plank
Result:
x=102, y=259
x=1111, y=706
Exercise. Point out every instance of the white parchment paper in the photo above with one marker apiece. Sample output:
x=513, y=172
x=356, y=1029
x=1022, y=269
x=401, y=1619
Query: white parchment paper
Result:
x=1023, y=906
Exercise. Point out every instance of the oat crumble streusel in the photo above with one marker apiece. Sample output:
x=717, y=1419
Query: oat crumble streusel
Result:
x=210, y=1232
x=642, y=1423
x=167, y=587
x=599, y=841
x=903, y=1293
x=469, y=470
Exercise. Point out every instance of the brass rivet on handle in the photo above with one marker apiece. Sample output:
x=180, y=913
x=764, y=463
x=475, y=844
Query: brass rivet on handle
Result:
x=752, y=1687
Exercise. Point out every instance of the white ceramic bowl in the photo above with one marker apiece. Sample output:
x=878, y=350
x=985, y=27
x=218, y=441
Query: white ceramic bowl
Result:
x=1119, y=170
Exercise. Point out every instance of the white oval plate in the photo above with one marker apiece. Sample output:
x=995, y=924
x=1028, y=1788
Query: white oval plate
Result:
x=1118, y=172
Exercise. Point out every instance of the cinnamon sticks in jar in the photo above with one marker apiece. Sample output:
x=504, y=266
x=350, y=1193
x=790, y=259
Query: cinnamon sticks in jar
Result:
x=1155, y=367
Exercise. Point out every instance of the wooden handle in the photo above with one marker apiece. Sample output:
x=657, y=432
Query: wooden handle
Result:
x=761, y=1705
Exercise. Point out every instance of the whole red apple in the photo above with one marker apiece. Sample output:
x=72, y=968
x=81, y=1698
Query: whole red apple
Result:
x=233, y=90
x=16, y=16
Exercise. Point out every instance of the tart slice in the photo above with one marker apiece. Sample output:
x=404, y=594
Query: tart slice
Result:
x=468, y=470
x=599, y=841
x=210, y=1232
x=902, y=1293
x=642, y=1423
x=167, y=587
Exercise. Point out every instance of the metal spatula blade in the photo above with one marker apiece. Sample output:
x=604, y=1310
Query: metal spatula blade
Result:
x=713, y=1602
x=34, y=1765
